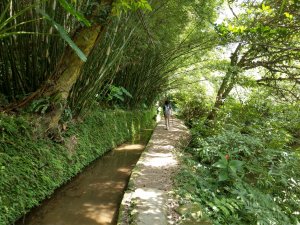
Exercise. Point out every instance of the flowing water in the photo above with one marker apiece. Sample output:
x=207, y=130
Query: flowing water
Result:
x=93, y=197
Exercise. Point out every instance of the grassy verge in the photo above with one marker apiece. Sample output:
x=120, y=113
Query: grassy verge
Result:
x=31, y=168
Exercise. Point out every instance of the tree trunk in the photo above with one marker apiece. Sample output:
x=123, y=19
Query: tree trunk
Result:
x=68, y=72
x=228, y=83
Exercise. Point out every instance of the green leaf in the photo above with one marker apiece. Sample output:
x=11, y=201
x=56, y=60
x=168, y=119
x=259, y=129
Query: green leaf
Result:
x=119, y=97
x=20, y=24
x=287, y=15
x=266, y=7
x=223, y=175
x=64, y=35
x=222, y=163
x=235, y=165
x=69, y=8
x=3, y=13
x=126, y=92
x=3, y=22
x=224, y=210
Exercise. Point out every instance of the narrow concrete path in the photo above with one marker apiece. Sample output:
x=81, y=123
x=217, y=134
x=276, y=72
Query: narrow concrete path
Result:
x=147, y=200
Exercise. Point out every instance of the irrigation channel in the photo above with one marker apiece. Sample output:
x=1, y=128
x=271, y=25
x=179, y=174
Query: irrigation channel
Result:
x=93, y=197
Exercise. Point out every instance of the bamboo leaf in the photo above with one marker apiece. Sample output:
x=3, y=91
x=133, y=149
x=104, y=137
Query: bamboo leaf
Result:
x=19, y=24
x=21, y=12
x=126, y=92
x=4, y=12
x=69, y=8
x=119, y=97
x=64, y=35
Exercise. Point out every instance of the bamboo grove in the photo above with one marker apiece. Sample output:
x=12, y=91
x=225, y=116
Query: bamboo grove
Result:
x=131, y=51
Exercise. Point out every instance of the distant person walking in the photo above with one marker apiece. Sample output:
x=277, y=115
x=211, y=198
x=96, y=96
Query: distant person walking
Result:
x=167, y=108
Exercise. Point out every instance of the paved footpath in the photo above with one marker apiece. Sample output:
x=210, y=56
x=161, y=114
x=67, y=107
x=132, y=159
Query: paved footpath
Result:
x=147, y=200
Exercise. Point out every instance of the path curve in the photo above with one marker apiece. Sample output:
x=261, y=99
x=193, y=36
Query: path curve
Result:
x=147, y=200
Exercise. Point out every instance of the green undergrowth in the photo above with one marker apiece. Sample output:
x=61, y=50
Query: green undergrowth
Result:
x=245, y=171
x=31, y=168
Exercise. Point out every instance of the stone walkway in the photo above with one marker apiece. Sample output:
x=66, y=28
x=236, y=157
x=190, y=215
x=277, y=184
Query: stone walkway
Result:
x=147, y=200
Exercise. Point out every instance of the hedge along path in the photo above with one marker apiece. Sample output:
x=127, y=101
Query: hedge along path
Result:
x=148, y=199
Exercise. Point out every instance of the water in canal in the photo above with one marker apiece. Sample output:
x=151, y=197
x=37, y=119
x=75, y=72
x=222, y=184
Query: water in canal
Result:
x=93, y=197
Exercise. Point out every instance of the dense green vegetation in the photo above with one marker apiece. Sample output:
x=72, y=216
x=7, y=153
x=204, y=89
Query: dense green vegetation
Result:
x=35, y=166
x=246, y=169
x=231, y=69
x=242, y=165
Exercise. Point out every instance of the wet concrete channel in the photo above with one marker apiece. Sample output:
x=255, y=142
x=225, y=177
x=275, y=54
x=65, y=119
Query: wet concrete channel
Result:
x=93, y=197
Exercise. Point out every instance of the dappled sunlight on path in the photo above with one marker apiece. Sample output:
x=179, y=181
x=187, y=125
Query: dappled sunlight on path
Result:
x=147, y=199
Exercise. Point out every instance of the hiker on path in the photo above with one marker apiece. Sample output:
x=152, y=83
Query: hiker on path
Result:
x=167, y=108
